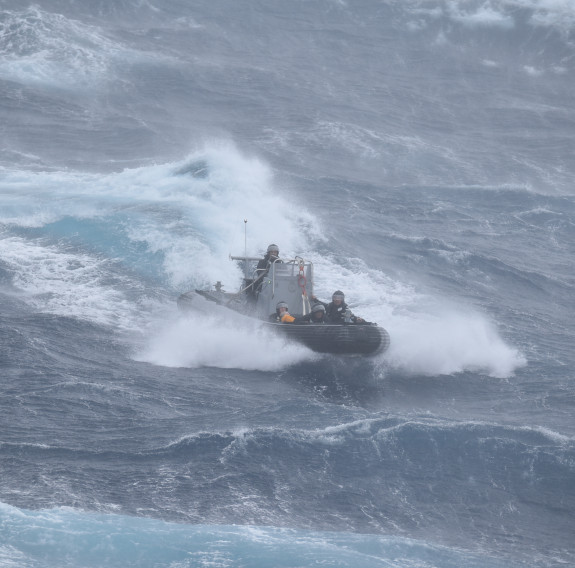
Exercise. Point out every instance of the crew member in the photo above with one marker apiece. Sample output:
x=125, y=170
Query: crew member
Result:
x=316, y=315
x=282, y=314
x=271, y=256
x=337, y=310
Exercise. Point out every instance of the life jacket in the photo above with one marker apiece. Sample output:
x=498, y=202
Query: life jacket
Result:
x=335, y=314
x=287, y=318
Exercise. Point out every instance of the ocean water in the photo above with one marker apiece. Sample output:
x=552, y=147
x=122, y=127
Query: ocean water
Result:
x=420, y=152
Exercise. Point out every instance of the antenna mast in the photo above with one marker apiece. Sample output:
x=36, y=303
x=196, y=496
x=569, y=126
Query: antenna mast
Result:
x=246, y=249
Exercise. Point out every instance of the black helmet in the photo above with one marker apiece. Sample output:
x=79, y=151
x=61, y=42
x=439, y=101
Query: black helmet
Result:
x=338, y=295
x=318, y=308
x=273, y=248
x=281, y=304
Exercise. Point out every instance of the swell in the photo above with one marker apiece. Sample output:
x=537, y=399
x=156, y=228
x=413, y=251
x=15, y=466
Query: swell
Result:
x=384, y=475
x=46, y=537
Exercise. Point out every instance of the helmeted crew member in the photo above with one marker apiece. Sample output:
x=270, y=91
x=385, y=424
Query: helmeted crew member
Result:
x=337, y=310
x=282, y=314
x=272, y=255
x=317, y=315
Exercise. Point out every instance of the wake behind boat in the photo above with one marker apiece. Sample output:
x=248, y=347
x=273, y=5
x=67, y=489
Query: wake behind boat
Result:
x=291, y=281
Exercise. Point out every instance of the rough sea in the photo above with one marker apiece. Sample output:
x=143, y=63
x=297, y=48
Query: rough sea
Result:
x=421, y=153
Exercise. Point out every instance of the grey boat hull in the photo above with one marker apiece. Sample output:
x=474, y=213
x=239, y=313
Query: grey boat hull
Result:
x=345, y=339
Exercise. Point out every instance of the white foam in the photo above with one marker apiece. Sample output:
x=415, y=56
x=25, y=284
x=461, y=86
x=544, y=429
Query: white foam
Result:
x=533, y=71
x=452, y=342
x=195, y=222
x=484, y=15
x=49, y=49
x=42, y=48
x=558, y=14
x=69, y=284
x=551, y=13
x=220, y=339
x=429, y=336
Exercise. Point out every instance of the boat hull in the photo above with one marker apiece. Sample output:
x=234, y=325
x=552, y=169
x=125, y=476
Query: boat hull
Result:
x=338, y=339
x=345, y=339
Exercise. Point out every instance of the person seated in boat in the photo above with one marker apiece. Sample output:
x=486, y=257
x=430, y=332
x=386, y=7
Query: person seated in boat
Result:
x=337, y=310
x=271, y=256
x=316, y=315
x=282, y=314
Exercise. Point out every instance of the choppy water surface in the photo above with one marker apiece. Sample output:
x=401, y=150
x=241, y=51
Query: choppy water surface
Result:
x=419, y=153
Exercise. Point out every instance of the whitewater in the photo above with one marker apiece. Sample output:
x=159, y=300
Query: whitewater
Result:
x=421, y=153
